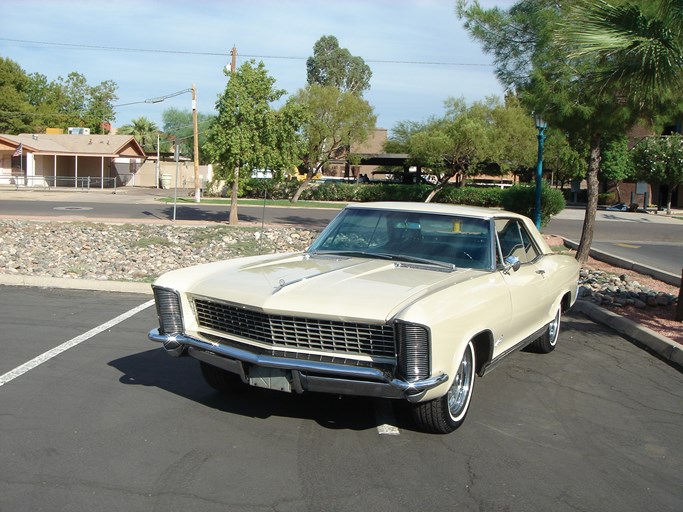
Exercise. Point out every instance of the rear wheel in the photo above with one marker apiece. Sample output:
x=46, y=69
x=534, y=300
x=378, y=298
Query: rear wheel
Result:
x=221, y=380
x=444, y=414
x=548, y=340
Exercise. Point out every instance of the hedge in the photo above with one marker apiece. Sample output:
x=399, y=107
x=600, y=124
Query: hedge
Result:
x=519, y=198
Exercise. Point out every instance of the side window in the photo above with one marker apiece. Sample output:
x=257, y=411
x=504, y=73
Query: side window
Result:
x=514, y=240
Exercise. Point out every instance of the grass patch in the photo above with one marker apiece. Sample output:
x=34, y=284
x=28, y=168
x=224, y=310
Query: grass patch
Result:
x=151, y=240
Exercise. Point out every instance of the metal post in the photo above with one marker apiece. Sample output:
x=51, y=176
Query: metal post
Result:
x=195, y=131
x=541, y=126
x=158, y=166
x=679, y=308
x=177, y=166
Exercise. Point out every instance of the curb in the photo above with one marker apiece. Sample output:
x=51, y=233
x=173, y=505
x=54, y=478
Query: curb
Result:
x=666, y=277
x=664, y=347
x=75, y=284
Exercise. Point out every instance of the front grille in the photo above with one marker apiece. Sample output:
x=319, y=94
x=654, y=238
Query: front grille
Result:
x=168, y=310
x=296, y=332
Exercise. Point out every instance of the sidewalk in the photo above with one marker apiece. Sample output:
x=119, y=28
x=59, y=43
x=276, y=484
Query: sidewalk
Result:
x=124, y=195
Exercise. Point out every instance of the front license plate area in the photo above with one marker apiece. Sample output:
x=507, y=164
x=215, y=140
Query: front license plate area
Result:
x=270, y=378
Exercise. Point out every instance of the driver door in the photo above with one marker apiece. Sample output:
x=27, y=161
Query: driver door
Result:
x=526, y=286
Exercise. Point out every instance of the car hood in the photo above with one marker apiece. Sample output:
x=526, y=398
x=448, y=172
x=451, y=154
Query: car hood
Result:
x=326, y=286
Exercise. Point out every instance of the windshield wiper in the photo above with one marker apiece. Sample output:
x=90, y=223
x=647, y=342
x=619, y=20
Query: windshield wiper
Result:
x=386, y=256
x=359, y=254
x=426, y=261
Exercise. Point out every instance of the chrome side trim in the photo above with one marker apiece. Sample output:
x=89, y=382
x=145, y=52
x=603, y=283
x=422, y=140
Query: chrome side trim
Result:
x=353, y=377
x=491, y=365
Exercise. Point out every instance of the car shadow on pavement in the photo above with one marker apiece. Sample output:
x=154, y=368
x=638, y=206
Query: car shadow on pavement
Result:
x=197, y=214
x=182, y=377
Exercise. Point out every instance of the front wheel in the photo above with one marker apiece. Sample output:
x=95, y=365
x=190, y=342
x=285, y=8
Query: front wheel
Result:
x=445, y=414
x=548, y=340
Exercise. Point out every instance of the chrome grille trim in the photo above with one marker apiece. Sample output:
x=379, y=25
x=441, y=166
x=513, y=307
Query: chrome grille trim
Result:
x=375, y=340
x=413, y=351
x=168, y=310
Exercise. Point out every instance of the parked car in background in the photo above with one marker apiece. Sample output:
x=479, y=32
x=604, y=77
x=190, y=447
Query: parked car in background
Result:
x=618, y=207
x=395, y=300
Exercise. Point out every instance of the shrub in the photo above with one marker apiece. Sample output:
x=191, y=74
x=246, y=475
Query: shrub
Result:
x=488, y=197
x=522, y=200
x=607, y=198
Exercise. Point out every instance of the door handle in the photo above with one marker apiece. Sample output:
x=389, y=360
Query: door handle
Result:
x=542, y=272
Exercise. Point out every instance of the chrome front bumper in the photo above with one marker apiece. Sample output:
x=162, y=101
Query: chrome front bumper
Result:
x=305, y=375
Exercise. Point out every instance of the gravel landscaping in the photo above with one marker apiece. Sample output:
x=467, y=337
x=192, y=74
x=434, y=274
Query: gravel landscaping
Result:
x=142, y=252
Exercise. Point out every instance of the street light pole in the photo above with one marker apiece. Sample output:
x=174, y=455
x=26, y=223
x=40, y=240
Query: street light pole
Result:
x=541, y=125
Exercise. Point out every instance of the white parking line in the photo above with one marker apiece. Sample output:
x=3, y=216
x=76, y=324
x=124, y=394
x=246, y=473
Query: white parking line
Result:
x=386, y=419
x=46, y=356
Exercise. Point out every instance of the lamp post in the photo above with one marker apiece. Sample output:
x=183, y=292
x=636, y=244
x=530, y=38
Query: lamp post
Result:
x=541, y=125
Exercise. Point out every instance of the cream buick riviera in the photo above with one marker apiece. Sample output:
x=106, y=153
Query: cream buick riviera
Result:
x=392, y=300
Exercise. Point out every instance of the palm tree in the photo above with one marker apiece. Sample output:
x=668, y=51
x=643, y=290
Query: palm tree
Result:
x=144, y=131
x=639, y=41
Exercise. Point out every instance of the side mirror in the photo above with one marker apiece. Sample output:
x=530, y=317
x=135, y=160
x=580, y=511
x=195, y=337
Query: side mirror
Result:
x=511, y=262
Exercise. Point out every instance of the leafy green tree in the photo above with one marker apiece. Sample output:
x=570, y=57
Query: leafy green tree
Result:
x=531, y=59
x=659, y=160
x=144, y=131
x=617, y=163
x=467, y=139
x=31, y=103
x=334, y=120
x=249, y=134
x=100, y=106
x=333, y=66
x=177, y=123
x=15, y=109
x=565, y=162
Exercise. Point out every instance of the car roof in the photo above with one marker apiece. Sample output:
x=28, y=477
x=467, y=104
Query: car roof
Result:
x=452, y=209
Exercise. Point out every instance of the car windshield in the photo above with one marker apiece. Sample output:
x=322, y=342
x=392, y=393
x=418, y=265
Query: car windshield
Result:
x=408, y=236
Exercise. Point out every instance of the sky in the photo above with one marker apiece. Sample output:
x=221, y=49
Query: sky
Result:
x=418, y=51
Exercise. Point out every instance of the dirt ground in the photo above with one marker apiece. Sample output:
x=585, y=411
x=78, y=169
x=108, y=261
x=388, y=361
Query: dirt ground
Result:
x=659, y=319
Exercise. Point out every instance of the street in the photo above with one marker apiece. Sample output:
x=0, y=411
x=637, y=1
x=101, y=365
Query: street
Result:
x=113, y=423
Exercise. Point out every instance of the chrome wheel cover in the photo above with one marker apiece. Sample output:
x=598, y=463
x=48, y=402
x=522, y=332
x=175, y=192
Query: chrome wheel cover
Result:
x=459, y=393
x=554, y=329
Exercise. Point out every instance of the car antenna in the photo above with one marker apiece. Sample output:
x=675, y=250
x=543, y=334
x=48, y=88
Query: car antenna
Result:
x=263, y=221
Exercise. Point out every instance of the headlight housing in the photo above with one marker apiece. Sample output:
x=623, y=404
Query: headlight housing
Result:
x=168, y=310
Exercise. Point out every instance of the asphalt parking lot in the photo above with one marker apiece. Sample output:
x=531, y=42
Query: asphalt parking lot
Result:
x=107, y=421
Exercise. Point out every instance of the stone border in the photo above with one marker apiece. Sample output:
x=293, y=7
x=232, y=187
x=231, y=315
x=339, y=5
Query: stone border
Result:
x=75, y=284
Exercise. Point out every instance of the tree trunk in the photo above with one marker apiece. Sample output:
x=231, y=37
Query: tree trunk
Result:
x=439, y=186
x=233, y=198
x=583, y=251
x=302, y=187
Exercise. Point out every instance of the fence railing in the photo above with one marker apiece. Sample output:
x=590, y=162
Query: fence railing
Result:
x=83, y=183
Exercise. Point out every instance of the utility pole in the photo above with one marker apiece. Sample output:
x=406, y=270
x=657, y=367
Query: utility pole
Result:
x=196, y=144
x=235, y=184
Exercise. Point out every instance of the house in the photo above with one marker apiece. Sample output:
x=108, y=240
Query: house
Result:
x=73, y=160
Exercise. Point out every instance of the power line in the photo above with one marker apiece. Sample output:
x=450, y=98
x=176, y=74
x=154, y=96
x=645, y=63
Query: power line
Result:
x=225, y=54
x=158, y=99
